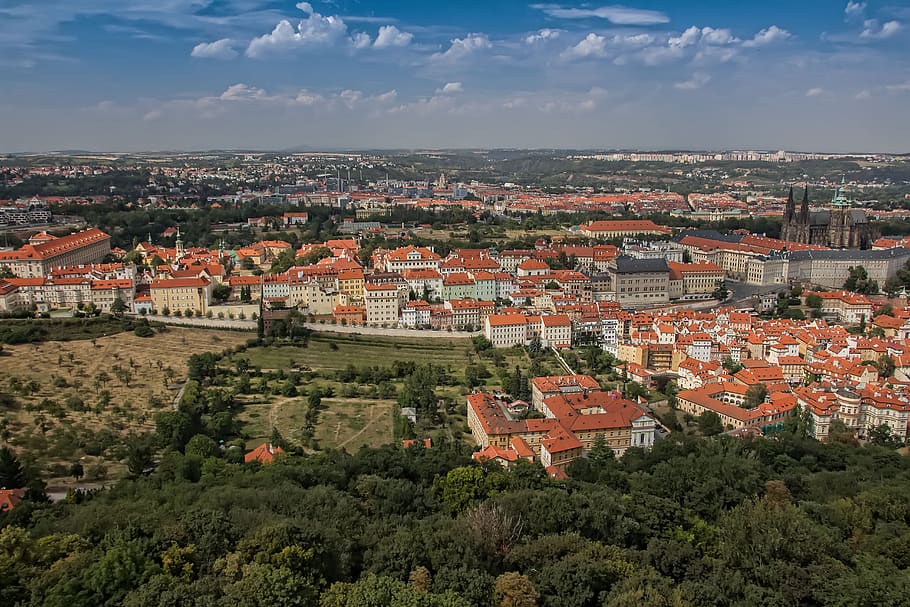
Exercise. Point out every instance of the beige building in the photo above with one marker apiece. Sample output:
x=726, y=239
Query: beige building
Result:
x=691, y=280
x=639, y=282
x=383, y=303
x=181, y=294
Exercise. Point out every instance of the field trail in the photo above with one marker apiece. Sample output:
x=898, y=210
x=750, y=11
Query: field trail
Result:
x=364, y=429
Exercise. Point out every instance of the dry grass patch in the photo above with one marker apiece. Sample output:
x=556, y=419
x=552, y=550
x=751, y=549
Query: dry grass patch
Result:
x=78, y=398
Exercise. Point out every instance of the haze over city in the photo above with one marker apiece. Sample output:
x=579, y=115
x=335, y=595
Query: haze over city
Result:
x=262, y=74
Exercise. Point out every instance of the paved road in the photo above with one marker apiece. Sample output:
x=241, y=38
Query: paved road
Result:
x=251, y=325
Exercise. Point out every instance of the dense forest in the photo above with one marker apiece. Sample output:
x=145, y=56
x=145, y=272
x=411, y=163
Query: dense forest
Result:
x=783, y=520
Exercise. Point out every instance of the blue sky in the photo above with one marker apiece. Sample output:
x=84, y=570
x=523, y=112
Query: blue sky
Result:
x=135, y=75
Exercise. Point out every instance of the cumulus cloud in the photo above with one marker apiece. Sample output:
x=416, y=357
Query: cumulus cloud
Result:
x=242, y=92
x=361, y=40
x=618, y=15
x=815, y=92
x=592, y=46
x=768, y=36
x=386, y=97
x=219, y=49
x=873, y=31
x=862, y=95
x=854, y=11
x=314, y=31
x=542, y=36
x=390, y=37
x=462, y=48
x=450, y=88
x=697, y=81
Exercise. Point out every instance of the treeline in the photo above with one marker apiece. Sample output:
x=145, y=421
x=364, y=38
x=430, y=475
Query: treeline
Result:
x=778, y=521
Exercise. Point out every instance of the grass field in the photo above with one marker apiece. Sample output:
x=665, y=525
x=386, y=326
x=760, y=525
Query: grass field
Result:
x=347, y=423
x=60, y=407
x=335, y=351
x=352, y=423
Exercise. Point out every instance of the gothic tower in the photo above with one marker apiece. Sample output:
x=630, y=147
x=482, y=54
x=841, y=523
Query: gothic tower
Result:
x=804, y=234
x=786, y=230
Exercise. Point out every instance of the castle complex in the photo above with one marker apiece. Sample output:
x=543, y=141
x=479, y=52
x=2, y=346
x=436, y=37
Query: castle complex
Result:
x=839, y=227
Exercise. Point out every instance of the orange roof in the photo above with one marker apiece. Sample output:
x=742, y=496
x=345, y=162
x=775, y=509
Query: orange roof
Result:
x=263, y=454
x=504, y=320
x=556, y=320
x=56, y=246
x=626, y=225
x=10, y=498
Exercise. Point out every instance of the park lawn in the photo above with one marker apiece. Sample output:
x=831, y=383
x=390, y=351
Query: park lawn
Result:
x=349, y=423
x=74, y=367
x=361, y=351
x=352, y=423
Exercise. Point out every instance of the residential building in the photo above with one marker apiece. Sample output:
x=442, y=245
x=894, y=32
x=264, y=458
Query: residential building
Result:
x=181, y=294
x=38, y=259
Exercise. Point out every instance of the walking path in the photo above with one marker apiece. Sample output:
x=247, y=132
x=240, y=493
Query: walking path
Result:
x=251, y=325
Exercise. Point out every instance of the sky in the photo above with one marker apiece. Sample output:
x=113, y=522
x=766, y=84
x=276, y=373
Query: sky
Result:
x=152, y=75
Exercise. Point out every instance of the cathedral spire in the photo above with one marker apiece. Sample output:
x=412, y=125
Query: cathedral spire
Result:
x=791, y=206
x=804, y=208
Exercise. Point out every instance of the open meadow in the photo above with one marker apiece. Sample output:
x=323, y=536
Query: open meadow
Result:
x=75, y=400
x=355, y=376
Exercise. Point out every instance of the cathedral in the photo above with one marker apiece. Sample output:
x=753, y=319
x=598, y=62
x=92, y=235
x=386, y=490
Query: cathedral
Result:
x=839, y=227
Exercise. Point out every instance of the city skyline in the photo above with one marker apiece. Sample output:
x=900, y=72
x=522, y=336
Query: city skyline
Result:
x=261, y=74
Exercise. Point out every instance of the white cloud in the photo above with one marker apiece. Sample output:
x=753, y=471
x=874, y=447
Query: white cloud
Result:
x=815, y=92
x=390, y=36
x=687, y=38
x=305, y=97
x=314, y=31
x=242, y=92
x=863, y=94
x=361, y=40
x=387, y=97
x=618, y=15
x=633, y=40
x=698, y=80
x=350, y=97
x=593, y=45
x=542, y=36
x=767, y=36
x=903, y=86
x=854, y=10
x=219, y=49
x=717, y=37
x=451, y=88
x=872, y=30
x=461, y=48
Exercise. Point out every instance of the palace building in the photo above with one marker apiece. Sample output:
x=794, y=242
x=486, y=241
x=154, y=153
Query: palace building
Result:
x=838, y=227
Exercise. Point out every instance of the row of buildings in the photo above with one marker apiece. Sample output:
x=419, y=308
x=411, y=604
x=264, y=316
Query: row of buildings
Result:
x=577, y=415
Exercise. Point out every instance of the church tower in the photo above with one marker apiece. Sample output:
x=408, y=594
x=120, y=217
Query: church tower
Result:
x=805, y=236
x=786, y=230
x=181, y=250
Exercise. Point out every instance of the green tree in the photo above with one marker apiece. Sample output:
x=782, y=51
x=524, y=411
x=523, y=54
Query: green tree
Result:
x=139, y=455
x=885, y=365
x=755, y=395
x=882, y=436
x=461, y=488
x=221, y=292
x=721, y=292
x=174, y=429
x=201, y=446
x=709, y=423
x=814, y=301
x=858, y=281
x=12, y=475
